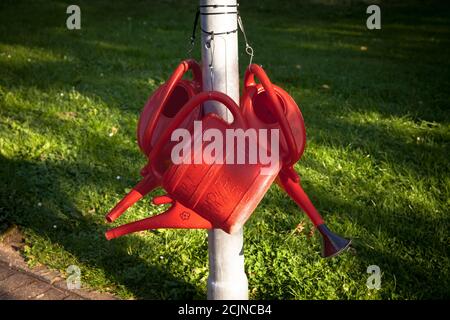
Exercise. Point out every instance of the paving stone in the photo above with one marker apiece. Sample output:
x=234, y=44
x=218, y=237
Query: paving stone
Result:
x=34, y=289
x=26, y=292
x=60, y=284
x=15, y=281
x=20, y=282
x=52, y=294
x=5, y=272
x=6, y=296
x=73, y=297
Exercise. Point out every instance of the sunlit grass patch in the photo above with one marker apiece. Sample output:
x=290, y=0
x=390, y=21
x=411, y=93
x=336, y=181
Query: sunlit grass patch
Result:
x=376, y=165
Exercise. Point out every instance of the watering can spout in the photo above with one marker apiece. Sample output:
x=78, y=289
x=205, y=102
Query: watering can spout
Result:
x=140, y=190
x=176, y=217
x=332, y=243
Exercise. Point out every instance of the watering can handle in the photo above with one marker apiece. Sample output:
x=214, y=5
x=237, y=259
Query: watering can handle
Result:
x=193, y=103
x=169, y=86
x=249, y=80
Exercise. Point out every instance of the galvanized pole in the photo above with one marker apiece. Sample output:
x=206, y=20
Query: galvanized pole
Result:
x=218, y=20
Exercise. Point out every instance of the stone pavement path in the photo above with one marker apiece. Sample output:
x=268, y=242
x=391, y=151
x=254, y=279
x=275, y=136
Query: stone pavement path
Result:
x=20, y=282
x=19, y=285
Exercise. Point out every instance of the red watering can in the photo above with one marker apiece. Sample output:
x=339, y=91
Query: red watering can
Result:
x=215, y=195
x=158, y=113
x=256, y=106
x=222, y=196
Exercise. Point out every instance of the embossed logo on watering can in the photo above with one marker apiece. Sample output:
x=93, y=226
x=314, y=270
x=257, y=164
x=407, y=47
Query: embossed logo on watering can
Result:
x=235, y=146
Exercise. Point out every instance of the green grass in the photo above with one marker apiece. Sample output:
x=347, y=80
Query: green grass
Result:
x=376, y=164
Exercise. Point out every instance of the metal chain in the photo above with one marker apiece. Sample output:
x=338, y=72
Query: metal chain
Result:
x=192, y=39
x=211, y=48
x=248, y=48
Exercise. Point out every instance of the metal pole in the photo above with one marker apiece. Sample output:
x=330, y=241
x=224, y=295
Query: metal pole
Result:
x=227, y=278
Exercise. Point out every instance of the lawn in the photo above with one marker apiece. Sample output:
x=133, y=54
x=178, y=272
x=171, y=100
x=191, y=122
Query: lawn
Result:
x=376, y=109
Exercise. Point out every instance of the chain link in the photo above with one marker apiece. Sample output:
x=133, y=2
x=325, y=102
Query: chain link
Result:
x=248, y=48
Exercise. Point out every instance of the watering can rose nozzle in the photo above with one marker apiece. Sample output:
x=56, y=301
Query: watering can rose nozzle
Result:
x=332, y=243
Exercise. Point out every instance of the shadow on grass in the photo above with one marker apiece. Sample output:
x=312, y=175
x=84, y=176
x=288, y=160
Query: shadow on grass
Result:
x=106, y=47
x=409, y=247
x=114, y=57
x=80, y=233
